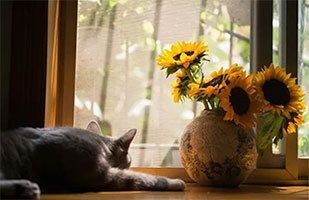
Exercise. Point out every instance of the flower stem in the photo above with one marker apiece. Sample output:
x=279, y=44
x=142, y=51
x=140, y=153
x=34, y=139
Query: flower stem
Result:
x=205, y=101
x=212, y=103
x=188, y=72
x=206, y=105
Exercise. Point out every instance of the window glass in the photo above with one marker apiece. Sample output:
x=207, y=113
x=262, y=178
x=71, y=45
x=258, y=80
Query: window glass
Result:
x=279, y=148
x=118, y=82
x=303, y=76
x=276, y=29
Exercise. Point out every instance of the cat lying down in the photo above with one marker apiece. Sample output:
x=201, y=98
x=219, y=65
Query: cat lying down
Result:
x=70, y=160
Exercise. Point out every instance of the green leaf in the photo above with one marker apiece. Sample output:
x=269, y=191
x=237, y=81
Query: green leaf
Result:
x=171, y=70
x=216, y=102
x=270, y=129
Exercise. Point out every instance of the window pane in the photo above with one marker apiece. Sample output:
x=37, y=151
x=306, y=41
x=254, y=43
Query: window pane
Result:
x=279, y=148
x=276, y=31
x=118, y=82
x=303, y=63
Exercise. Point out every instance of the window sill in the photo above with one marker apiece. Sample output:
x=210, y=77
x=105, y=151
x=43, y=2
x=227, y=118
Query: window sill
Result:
x=258, y=176
x=197, y=192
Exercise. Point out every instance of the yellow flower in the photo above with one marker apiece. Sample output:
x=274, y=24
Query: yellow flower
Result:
x=178, y=85
x=217, y=76
x=176, y=95
x=291, y=128
x=299, y=119
x=195, y=89
x=208, y=91
x=181, y=54
x=236, y=99
x=182, y=73
x=222, y=75
x=176, y=90
x=234, y=71
x=216, y=82
x=293, y=123
x=278, y=92
x=219, y=79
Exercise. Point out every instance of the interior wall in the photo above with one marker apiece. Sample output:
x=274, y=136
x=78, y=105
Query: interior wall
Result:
x=23, y=63
x=5, y=52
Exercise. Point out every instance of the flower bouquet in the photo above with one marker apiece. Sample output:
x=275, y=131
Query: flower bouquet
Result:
x=219, y=146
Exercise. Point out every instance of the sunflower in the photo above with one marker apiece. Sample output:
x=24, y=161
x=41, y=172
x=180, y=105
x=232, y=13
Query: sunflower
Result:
x=182, y=54
x=291, y=128
x=219, y=79
x=278, y=92
x=293, y=123
x=179, y=86
x=176, y=91
x=236, y=99
x=298, y=120
x=195, y=89
x=181, y=73
x=234, y=71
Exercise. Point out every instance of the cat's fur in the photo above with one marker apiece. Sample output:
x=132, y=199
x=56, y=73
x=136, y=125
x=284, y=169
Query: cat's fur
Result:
x=70, y=160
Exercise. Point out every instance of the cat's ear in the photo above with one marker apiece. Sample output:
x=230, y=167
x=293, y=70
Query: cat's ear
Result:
x=94, y=127
x=125, y=140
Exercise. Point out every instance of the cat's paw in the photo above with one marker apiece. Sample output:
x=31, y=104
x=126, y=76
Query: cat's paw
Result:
x=27, y=190
x=176, y=185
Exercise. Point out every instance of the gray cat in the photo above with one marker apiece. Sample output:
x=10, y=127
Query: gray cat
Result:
x=70, y=160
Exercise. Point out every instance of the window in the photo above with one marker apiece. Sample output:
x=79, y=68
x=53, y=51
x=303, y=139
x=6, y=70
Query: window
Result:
x=118, y=82
x=303, y=68
x=303, y=74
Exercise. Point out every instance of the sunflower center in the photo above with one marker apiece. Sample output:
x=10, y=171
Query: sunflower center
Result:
x=239, y=100
x=215, y=81
x=188, y=53
x=276, y=92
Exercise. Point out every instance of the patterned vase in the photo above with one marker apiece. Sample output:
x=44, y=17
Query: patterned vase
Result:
x=215, y=152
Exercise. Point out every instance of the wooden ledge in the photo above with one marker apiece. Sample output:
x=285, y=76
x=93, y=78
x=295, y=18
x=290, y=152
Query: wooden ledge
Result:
x=194, y=192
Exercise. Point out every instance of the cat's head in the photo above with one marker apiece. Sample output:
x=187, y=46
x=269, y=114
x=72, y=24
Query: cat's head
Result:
x=118, y=155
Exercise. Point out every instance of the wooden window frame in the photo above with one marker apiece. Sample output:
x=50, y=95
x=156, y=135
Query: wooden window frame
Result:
x=61, y=79
x=61, y=59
